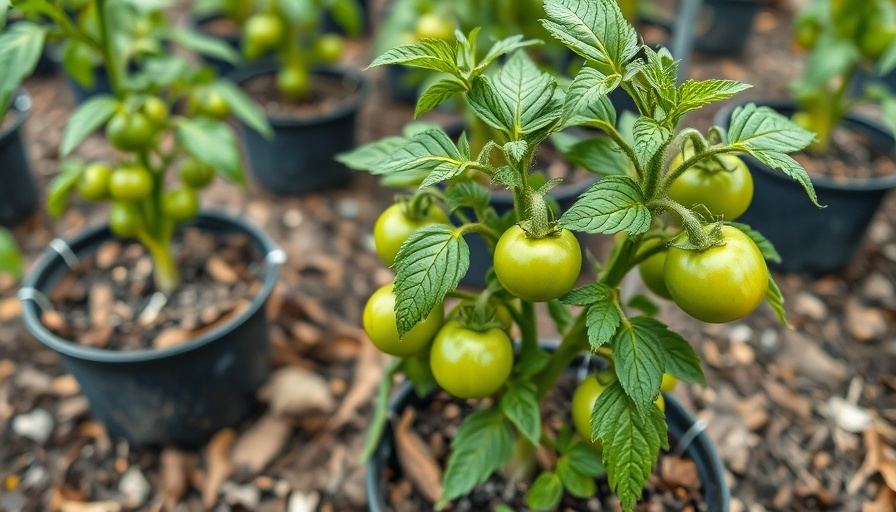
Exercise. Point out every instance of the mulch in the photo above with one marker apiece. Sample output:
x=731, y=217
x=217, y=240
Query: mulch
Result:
x=802, y=418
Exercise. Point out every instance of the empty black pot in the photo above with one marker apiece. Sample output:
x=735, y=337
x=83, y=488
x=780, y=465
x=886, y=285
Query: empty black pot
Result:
x=811, y=240
x=178, y=395
x=681, y=423
x=18, y=194
x=724, y=26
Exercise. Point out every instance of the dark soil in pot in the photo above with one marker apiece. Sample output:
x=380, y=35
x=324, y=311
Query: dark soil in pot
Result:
x=18, y=194
x=675, y=485
x=307, y=136
x=851, y=180
x=178, y=394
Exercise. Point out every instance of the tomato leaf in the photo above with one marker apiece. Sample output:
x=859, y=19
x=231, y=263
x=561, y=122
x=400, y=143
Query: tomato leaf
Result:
x=602, y=320
x=631, y=441
x=587, y=88
x=428, y=266
x=436, y=94
x=694, y=94
x=561, y=315
x=593, y=29
x=681, y=360
x=10, y=256
x=765, y=246
x=613, y=204
x=640, y=360
x=434, y=54
x=483, y=444
x=599, y=155
x=516, y=150
x=587, y=295
x=644, y=303
x=243, y=108
x=545, y=492
x=380, y=411
x=432, y=151
x=585, y=459
x=520, y=404
x=368, y=156
x=420, y=374
x=20, y=48
x=348, y=15
x=61, y=186
x=92, y=114
x=650, y=139
x=212, y=142
x=203, y=44
x=578, y=484
x=468, y=194
x=776, y=300
x=500, y=48
x=530, y=363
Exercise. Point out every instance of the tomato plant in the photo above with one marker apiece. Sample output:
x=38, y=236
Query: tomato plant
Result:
x=685, y=248
x=722, y=185
x=136, y=116
x=397, y=223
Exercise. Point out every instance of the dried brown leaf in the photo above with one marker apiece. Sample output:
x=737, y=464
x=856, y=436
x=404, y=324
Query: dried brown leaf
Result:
x=258, y=446
x=174, y=477
x=219, y=465
x=294, y=391
x=885, y=501
x=416, y=459
x=367, y=377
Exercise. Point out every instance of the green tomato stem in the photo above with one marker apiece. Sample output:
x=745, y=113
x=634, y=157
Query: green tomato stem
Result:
x=166, y=273
x=572, y=344
x=113, y=66
x=528, y=328
x=481, y=228
x=692, y=224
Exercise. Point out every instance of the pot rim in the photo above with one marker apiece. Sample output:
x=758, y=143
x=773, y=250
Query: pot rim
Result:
x=723, y=116
x=198, y=20
x=21, y=103
x=245, y=72
x=50, y=260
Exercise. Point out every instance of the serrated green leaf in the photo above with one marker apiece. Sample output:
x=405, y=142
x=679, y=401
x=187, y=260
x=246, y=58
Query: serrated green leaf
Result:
x=644, y=304
x=650, y=139
x=20, y=48
x=483, y=443
x=588, y=87
x=516, y=150
x=578, y=484
x=468, y=194
x=520, y=404
x=428, y=266
x=243, y=107
x=78, y=61
x=368, y=156
x=765, y=246
x=776, y=300
x=531, y=363
x=436, y=94
x=202, y=44
x=600, y=115
x=599, y=155
x=434, y=54
x=791, y=168
x=640, y=360
x=500, y=48
x=657, y=72
x=518, y=100
x=92, y=114
x=507, y=176
x=61, y=186
x=212, y=142
x=694, y=94
x=11, y=261
x=545, y=492
x=587, y=295
x=631, y=442
x=602, y=320
x=681, y=359
x=585, y=458
x=594, y=29
x=613, y=204
x=432, y=151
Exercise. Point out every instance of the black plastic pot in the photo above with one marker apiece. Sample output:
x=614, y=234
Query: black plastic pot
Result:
x=724, y=26
x=178, y=395
x=18, y=192
x=300, y=156
x=811, y=240
x=681, y=422
x=221, y=67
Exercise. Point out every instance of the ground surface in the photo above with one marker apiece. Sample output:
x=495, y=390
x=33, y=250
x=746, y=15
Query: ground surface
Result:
x=803, y=419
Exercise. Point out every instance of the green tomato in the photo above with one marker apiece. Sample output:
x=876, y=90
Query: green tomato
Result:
x=130, y=132
x=393, y=227
x=328, y=48
x=669, y=383
x=433, y=26
x=651, y=269
x=721, y=284
x=93, y=183
x=381, y=328
x=261, y=34
x=537, y=269
x=125, y=219
x=725, y=192
x=877, y=35
x=502, y=314
x=468, y=363
x=294, y=82
x=180, y=204
x=208, y=102
x=130, y=183
x=583, y=399
x=196, y=174
x=156, y=111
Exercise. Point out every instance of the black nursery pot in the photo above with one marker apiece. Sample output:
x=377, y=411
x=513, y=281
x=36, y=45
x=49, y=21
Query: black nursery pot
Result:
x=811, y=240
x=724, y=26
x=221, y=67
x=18, y=194
x=300, y=156
x=700, y=450
x=179, y=395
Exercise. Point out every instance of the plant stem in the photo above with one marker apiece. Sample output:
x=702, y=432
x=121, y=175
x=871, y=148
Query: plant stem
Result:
x=107, y=43
x=166, y=273
x=528, y=328
x=574, y=342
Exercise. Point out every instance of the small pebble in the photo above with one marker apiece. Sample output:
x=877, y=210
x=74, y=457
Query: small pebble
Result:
x=809, y=305
x=36, y=425
x=134, y=486
x=740, y=333
x=292, y=218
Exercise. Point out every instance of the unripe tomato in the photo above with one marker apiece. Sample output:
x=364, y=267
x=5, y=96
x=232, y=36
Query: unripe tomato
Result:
x=724, y=191
x=130, y=183
x=180, y=204
x=468, y=363
x=196, y=174
x=877, y=35
x=130, y=131
x=393, y=227
x=328, y=48
x=294, y=82
x=537, y=269
x=582, y=405
x=652, y=269
x=208, y=102
x=156, y=111
x=379, y=323
x=261, y=33
x=125, y=219
x=806, y=32
x=502, y=314
x=669, y=383
x=721, y=284
x=433, y=26
x=93, y=183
